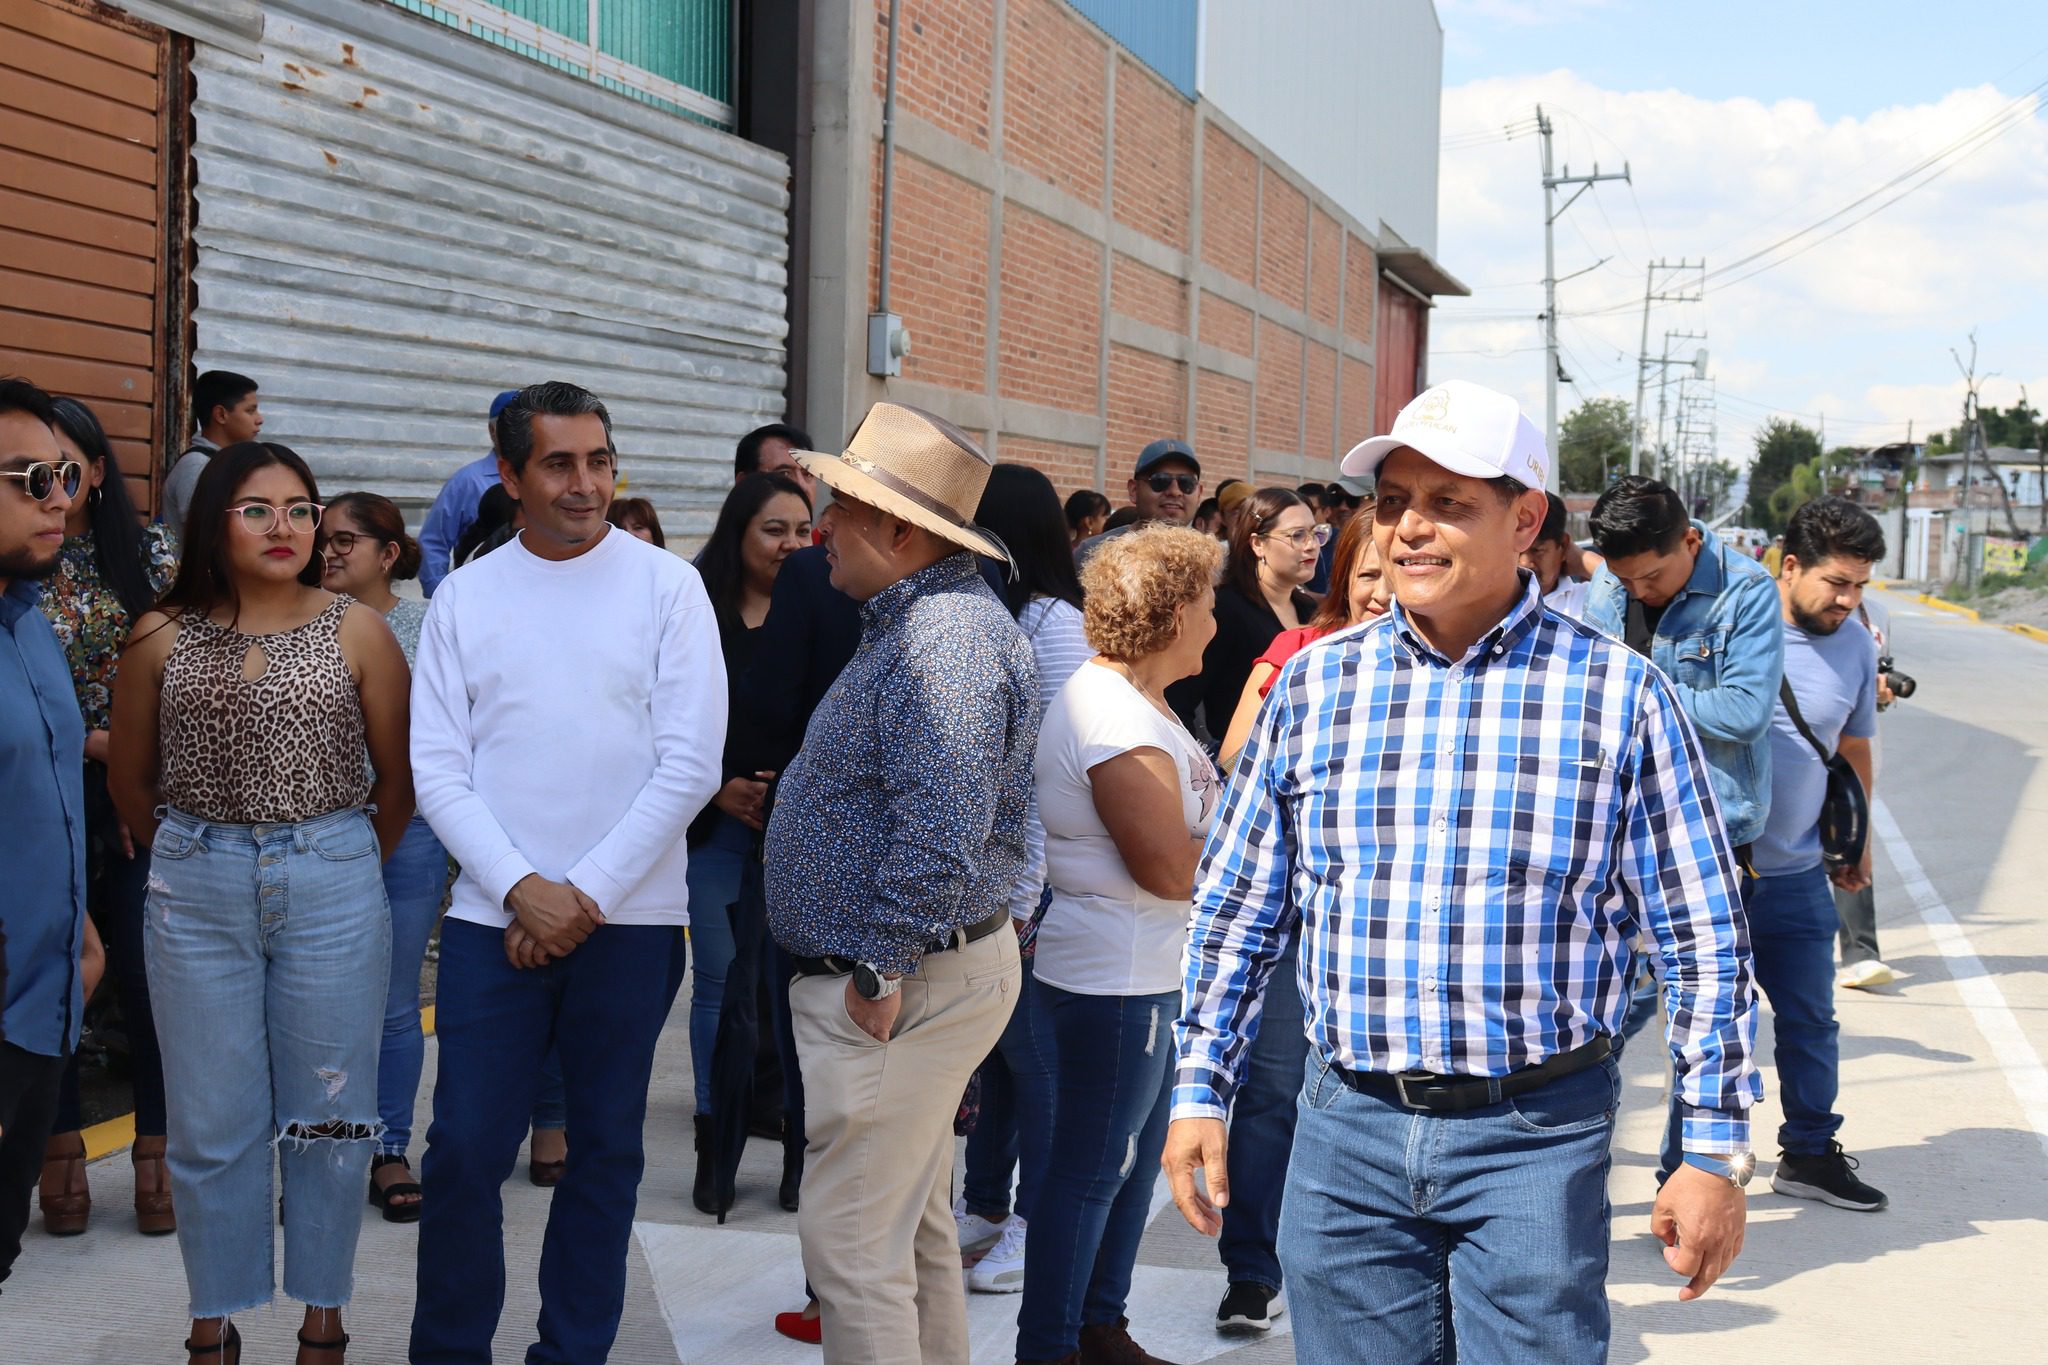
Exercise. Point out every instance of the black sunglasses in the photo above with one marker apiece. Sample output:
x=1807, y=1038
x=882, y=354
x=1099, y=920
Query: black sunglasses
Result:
x=40, y=479
x=1187, y=483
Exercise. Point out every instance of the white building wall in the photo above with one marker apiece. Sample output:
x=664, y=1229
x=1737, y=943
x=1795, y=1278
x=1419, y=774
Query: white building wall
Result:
x=1348, y=92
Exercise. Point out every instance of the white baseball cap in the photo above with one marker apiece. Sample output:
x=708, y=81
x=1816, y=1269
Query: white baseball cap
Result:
x=1466, y=428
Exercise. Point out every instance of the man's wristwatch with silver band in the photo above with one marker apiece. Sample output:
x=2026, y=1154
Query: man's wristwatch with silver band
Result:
x=1734, y=1167
x=870, y=984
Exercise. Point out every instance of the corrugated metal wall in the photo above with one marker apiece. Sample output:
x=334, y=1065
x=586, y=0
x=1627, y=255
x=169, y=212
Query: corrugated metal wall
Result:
x=396, y=221
x=81, y=204
x=1163, y=34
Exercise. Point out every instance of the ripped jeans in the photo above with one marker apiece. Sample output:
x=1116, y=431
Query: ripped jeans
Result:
x=1115, y=1074
x=269, y=952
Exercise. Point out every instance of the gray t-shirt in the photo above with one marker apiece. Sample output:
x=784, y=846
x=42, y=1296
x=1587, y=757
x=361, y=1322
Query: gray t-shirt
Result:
x=184, y=477
x=1835, y=679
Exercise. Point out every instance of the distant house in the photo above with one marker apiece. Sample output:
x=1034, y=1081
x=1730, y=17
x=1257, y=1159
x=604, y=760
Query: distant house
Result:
x=2019, y=471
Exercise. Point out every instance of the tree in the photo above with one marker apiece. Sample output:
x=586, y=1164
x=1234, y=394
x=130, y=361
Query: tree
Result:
x=1781, y=447
x=1592, y=445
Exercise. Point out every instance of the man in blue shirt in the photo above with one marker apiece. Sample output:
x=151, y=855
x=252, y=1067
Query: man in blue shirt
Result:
x=1707, y=615
x=454, y=509
x=42, y=806
x=1831, y=673
x=1471, y=807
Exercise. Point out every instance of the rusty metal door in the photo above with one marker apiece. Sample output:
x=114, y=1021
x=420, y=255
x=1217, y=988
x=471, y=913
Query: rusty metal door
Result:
x=84, y=133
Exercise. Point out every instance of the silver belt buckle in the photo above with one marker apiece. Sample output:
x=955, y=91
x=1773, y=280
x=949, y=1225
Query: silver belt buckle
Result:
x=1401, y=1079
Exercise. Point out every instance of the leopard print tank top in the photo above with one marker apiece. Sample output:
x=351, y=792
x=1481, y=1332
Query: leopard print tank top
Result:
x=283, y=747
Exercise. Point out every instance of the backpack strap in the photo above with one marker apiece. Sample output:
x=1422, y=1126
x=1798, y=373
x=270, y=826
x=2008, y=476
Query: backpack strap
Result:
x=1799, y=721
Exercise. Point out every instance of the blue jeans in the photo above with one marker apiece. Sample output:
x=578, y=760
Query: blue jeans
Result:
x=415, y=881
x=268, y=948
x=1412, y=1236
x=1792, y=926
x=1115, y=1071
x=1017, y=1104
x=714, y=882
x=603, y=1007
x=1262, y=1131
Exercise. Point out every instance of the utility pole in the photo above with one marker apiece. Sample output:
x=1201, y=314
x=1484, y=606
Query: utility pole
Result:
x=1690, y=292
x=1551, y=213
x=1972, y=432
x=1663, y=364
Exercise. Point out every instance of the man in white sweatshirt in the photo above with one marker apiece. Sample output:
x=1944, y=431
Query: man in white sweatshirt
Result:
x=569, y=712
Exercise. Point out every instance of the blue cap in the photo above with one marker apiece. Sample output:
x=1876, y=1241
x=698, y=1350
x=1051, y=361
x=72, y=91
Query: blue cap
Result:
x=502, y=401
x=1167, y=449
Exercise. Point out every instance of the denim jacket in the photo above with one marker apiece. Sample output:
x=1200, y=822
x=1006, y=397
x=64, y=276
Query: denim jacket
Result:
x=1722, y=641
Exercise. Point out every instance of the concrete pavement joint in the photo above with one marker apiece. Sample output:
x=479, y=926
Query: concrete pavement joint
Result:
x=1987, y=1004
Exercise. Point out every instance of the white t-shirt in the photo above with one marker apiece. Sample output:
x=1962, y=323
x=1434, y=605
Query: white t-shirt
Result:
x=568, y=718
x=1104, y=934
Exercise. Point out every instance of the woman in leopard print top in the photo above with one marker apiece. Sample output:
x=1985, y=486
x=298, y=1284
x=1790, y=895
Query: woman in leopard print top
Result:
x=242, y=710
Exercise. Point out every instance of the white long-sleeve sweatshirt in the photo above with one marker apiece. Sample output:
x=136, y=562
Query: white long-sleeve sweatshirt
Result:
x=568, y=718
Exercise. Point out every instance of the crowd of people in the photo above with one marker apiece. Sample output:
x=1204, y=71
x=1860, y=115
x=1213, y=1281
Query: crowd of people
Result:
x=1271, y=837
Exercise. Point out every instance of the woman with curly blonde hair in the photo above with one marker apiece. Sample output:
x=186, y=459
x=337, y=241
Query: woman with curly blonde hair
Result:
x=1127, y=796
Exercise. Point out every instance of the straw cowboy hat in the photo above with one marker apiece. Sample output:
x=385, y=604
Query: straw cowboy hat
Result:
x=916, y=466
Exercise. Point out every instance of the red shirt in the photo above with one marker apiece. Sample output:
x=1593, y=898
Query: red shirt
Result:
x=1285, y=646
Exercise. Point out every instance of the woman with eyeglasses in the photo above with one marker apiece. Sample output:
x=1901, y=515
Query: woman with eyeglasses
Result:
x=364, y=549
x=109, y=571
x=242, y=711
x=1274, y=545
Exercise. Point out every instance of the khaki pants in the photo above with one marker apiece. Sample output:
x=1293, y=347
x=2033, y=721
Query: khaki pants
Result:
x=877, y=1218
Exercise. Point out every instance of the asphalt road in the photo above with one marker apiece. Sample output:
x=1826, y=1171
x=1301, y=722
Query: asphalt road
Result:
x=1943, y=1088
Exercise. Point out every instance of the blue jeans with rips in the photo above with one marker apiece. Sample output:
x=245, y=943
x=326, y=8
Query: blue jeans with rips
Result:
x=268, y=950
x=1115, y=1073
x=603, y=1007
x=1414, y=1236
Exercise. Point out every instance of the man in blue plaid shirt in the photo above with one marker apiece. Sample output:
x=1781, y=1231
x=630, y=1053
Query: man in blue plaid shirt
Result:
x=1471, y=806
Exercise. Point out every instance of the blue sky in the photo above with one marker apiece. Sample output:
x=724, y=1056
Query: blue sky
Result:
x=1743, y=123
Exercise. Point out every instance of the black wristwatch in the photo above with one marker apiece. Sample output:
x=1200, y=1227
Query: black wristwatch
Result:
x=870, y=984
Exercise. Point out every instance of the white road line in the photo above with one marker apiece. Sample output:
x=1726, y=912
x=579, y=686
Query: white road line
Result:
x=1994, y=1018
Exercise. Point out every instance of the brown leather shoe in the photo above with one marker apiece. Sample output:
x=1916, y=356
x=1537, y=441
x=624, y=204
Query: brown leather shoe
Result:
x=153, y=1214
x=63, y=1193
x=1109, y=1343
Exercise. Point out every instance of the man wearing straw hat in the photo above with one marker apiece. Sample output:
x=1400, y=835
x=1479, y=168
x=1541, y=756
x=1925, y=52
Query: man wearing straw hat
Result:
x=898, y=831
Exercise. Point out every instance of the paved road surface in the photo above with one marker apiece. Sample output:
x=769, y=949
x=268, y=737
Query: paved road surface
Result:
x=1943, y=1088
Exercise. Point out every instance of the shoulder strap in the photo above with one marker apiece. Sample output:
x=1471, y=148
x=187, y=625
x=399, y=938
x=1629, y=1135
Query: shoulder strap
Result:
x=1799, y=721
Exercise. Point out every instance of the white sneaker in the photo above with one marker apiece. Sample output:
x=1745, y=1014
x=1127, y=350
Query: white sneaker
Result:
x=976, y=1232
x=1862, y=975
x=1001, y=1271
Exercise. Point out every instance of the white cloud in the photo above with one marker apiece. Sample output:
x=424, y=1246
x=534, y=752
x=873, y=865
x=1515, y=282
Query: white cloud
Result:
x=1858, y=326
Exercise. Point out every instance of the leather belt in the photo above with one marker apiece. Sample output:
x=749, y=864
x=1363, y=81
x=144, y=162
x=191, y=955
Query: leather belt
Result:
x=832, y=965
x=1455, y=1094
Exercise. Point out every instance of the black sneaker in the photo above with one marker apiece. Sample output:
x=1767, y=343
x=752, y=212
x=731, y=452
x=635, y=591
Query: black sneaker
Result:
x=1829, y=1177
x=1249, y=1306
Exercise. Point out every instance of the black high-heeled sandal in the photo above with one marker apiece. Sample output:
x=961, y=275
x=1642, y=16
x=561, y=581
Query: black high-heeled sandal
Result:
x=383, y=1196
x=230, y=1340
x=340, y=1343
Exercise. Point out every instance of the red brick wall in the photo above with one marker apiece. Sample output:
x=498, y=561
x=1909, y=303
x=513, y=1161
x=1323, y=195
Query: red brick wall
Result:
x=1138, y=291
x=1230, y=205
x=1283, y=239
x=1147, y=400
x=1279, y=387
x=1223, y=412
x=1356, y=422
x=1319, y=413
x=1360, y=273
x=1069, y=467
x=1326, y=267
x=1056, y=124
x=1226, y=325
x=1049, y=342
x=1154, y=155
x=938, y=276
x=945, y=63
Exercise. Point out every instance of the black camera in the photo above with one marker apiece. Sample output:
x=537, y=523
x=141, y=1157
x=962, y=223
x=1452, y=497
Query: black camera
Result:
x=1903, y=685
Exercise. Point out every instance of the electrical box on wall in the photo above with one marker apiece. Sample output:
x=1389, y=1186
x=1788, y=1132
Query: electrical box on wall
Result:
x=888, y=343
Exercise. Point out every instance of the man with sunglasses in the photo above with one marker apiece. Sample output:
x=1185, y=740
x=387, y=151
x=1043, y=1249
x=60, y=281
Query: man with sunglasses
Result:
x=42, y=806
x=1166, y=487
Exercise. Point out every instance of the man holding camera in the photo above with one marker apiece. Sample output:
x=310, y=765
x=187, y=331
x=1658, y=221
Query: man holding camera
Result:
x=1830, y=692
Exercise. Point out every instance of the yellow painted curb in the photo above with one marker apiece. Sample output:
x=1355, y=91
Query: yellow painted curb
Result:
x=117, y=1134
x=1931, y=600
x=2031, y=632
